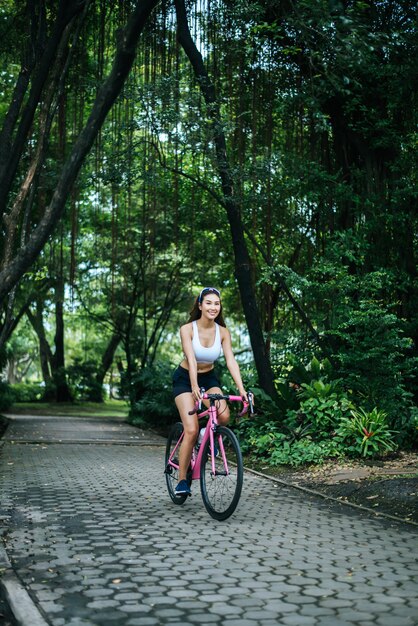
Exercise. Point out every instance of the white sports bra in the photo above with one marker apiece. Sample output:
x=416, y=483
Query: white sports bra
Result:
x=206, y=355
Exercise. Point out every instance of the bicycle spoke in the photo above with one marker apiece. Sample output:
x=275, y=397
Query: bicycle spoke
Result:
x=221, y=489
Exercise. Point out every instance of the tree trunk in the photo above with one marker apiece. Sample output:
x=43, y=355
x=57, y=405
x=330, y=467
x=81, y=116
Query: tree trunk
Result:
x=45, y=352
x=63, y=393
x=106, y=362
x=241, y=255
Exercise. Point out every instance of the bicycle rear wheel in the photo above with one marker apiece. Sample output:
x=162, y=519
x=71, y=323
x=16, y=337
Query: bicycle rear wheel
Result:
x=171, y=469
x=221, y=490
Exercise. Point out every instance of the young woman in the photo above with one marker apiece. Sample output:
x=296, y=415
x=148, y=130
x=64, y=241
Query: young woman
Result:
x=202, y=339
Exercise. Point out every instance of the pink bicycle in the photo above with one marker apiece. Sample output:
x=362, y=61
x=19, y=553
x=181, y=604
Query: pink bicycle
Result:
x=216, y=461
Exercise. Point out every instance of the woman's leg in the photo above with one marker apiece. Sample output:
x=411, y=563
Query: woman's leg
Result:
x=185, y=403
x=221, y=405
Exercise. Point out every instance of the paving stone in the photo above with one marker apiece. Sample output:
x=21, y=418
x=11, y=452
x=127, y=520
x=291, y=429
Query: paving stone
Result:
x=98, y=592
x=225, y=609
x=240, y=622
x=102, y=604
x=297, y=620
x=190, y=605
x=169, y=614
x=135, y=607
x=387, y=620
x=144, y=621
x=314, y=611
x=336, y=621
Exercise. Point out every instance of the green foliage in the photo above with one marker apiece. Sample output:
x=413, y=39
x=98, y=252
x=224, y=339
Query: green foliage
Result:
x=154, y=404
x=295, y=371
x=367, y=433
x=82, y=379
x=27, y=392
x=268, y=442
x=322, y=407
x=371, y=349
x=306, y=451
x=6, y=396
x=373, y=356
x=326, y=424
x=259, y=436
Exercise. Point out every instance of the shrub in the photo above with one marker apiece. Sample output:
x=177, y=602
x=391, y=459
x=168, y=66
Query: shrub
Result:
x=27, y=392
x=275, y=444
x=258, y=436
x=6, y=396
x=367, y=433
x=321, y=409
x=305, y=450
x=155, y=405
x=82, y=379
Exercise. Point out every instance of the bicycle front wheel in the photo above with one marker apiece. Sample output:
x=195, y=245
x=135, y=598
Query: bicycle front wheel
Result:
x=221, y=490
x=172, y=461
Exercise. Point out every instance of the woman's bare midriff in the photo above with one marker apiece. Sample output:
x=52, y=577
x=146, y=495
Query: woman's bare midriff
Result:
x=202, y=368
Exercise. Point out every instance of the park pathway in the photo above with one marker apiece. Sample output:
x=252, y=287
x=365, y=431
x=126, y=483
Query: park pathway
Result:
x=92, y=538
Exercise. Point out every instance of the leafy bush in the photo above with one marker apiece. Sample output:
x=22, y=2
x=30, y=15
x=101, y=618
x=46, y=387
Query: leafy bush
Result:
x=266, y=442
x=258, y=436
x=293, y=373
x=373, y=358
x=367, y=433
x=153, y=390
x=321, y=409
x=27, y=392
x=6, y=396
x=82, y=378
x=361, y=319
x=305, y=450
x=302, y=429
x=299, y=373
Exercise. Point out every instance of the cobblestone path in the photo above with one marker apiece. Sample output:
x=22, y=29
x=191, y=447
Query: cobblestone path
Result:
x=94, y=538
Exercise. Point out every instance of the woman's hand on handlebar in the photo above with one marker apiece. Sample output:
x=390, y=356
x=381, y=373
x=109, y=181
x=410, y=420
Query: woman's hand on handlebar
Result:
x=196, y=393
x=247, y=403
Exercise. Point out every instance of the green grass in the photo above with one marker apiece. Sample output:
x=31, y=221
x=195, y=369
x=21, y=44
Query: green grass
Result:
x=110, y=408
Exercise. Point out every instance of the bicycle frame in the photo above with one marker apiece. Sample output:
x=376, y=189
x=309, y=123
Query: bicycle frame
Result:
x=212, y=423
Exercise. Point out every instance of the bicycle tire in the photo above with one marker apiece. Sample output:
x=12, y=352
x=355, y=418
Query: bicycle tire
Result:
x=172, y=473
x=221, y=493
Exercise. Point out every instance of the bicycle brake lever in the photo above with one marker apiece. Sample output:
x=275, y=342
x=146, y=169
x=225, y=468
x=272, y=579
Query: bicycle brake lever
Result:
x=202, y=391
x=251, y=403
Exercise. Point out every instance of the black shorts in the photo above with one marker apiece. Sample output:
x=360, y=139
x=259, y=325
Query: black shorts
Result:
x=181, y=381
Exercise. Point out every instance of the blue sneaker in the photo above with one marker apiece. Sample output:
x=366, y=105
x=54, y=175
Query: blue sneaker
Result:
x=183, y=489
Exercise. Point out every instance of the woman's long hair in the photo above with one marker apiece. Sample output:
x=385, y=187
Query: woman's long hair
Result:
x=196, y=314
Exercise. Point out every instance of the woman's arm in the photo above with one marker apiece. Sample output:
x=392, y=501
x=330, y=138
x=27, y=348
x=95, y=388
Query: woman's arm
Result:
x=231, y=362
x=186, y=342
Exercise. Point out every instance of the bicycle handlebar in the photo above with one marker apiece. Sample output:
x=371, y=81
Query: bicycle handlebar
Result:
x=230, y=398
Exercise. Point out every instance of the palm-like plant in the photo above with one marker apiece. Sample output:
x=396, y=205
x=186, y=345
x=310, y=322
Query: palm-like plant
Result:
x=368, y=432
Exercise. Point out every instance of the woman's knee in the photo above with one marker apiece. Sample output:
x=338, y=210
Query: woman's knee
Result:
x=223, y=414
x=191, y=430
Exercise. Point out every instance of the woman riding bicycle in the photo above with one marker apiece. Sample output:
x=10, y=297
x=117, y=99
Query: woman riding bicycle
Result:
x=202, y=339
